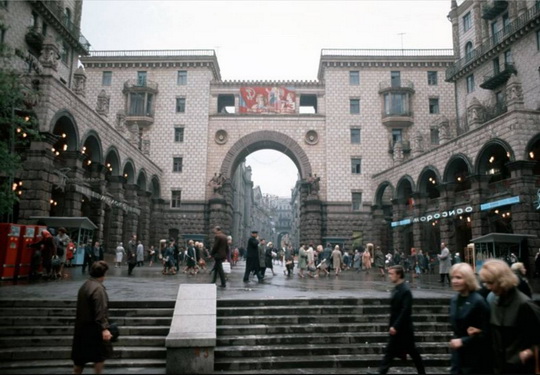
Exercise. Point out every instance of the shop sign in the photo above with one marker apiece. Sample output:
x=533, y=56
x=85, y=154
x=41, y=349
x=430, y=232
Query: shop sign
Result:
x=109, y=201
x=499, y=203
x=434, y=216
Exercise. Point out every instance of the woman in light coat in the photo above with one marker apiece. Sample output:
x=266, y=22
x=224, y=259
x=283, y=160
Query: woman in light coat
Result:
x=366, y=260
x=445, y=262
x=337, y=260
x=120, y=252
x=302, y=260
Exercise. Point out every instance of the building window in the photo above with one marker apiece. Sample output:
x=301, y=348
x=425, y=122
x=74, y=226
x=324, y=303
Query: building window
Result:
x=177, y=164
x=176, y=198
x=508, y=57
x=434, y=106
x=356, y=201
x=467, y=21
x=356, y=165
x=470, y=83
x=182, y=77
x=397, y=136
x=106, y=79
x=395, y=79
x=434, y=135
x=140, y=104
x=432, y=78
x=179, y=134
x=396, y=104
x=4, y=4
x=180, y=105
x=468, y=51
x=64, y=55
x=141, y=78
x=354, y=77
x=355, y=135
x=354, y=106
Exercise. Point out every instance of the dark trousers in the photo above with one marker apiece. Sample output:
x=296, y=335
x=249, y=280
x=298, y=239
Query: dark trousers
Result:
x=87, y=262
x=443, y=276
x=218, y=269
x=131, y=266
x=398, y=346
x=252, y=265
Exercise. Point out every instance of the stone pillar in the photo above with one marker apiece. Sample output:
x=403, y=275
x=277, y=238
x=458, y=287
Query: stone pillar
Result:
x=419, y=210
x=72, y=197
x=97, y=184
x=444, y=129
x=158, y=230
x=144, y=217
x=131, y=220
x=37, y=179
x=454, y=18
x=219, y=214
x=477, y=23
x=525, y=216
x=310, y=216
x=399, y=210
x=447, y=227
x=479, y=187
x=115, y=230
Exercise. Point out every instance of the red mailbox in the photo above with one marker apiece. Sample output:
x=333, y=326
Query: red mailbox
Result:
x=10, y=237
x=24, y=259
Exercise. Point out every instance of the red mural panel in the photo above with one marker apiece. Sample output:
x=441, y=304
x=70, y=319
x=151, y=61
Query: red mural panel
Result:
x=267, y=99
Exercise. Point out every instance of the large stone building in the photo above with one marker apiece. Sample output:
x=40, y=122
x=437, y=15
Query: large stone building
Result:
x=405, y=148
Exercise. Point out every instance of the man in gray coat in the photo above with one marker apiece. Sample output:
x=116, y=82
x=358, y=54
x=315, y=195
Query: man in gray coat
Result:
x=445, y=262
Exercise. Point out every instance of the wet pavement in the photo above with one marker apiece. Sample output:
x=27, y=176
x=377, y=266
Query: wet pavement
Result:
x=147, y=283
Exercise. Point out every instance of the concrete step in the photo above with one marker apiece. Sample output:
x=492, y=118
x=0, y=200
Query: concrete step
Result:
x=66, y=366
x=64, y=352
x=292, y=309
x=316, y=350
x=322, y=362
x=327, y=338
x=151, y=330
x=310, y=319
x=71, y=312
x=268, y=329
x=56, y=341
x=327, y=302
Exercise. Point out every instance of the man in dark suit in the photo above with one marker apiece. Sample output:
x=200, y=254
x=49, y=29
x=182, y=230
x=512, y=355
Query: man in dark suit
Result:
x=401, y=341
x=252, y=258
x=219, y=252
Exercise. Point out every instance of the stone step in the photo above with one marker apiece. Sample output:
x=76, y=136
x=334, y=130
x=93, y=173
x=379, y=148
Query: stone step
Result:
x=327, y=338
x=152, y=330
x=320, y=362
x=309, y=319
x=64, y=352
x=22, y=321
x=271, y=328
x=57, y=341
x=71, y=312
x=327, y=301
x=341, y=370
x=323, y=310
x=316, y=350
x=66, y=366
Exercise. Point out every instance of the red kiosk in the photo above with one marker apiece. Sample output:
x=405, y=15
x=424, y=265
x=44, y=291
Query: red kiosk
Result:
x=10, y=238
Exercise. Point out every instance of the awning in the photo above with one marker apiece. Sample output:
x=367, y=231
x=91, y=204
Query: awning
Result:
x=66, y=222
x=502, y=238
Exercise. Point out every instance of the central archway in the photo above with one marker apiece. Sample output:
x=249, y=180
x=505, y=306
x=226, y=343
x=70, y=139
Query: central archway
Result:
x=310, y=213
x=265, y=139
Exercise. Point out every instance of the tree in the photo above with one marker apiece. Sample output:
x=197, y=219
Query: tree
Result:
x=17, y=127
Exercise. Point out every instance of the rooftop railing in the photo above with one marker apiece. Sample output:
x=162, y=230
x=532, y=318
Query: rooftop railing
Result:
x=388, y=52
x=154, y=53
x=513, y=27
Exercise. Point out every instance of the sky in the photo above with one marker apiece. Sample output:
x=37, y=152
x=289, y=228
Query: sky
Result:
x=267, y=40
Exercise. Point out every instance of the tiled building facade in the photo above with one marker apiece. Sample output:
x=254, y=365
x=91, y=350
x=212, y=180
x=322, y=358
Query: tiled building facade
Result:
x=383, y=136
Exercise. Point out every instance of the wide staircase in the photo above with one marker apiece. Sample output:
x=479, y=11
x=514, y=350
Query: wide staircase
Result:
x=323, y=336
x=37, y=335
x=253, y=336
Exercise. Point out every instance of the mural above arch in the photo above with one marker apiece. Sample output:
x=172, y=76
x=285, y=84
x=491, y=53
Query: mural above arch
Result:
x=265, y=139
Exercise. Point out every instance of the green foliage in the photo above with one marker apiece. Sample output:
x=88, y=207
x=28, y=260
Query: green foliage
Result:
x=17, y=127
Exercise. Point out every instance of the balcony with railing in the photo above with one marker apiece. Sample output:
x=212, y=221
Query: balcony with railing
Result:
x=401, y=85
x=498, y=78
x=136, y=85
x=493, y=9
x=513, y=29
x=54, y=13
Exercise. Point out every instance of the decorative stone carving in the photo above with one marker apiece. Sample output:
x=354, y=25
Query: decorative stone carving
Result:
x=314, y=185
x=146, y=147
x=514, y=93
x=398, y=151
x=443, y=125
x=50, y=54
x=134, y=134
x=475, y=113
x=418, y=140
x=217, y=184
x=103, y=101
x=312, y=137
x=120, y=121
x=221, y=137
x=79, y=82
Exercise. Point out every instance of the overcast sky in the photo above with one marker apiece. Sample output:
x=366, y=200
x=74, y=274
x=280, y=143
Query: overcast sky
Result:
x=267, y=40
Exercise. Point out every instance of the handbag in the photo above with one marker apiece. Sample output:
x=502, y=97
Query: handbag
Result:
x=226, y=267
x=115, y=332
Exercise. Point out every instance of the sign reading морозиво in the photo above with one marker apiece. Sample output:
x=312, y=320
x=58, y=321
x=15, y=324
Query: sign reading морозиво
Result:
x=456, y=211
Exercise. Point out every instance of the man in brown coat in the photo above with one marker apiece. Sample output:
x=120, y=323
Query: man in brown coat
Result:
x=219, y=252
